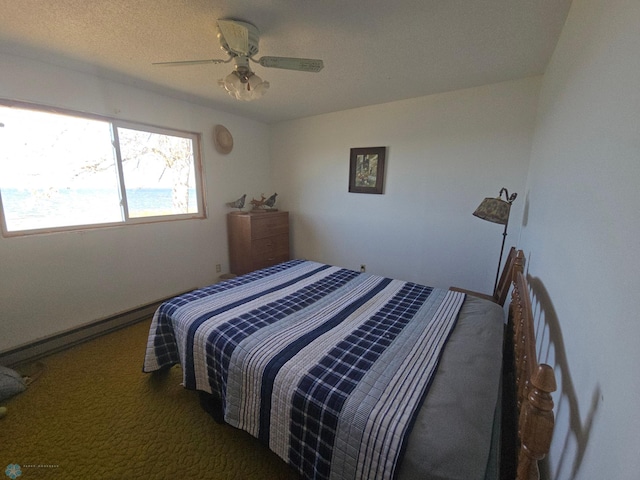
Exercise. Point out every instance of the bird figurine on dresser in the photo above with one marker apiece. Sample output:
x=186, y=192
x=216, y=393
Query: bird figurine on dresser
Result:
x=239, y=203
x=271, y=201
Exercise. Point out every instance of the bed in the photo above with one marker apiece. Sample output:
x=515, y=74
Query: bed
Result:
x=344, y=374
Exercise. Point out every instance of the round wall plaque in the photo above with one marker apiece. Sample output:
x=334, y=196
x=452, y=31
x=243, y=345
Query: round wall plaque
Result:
x=222, y=139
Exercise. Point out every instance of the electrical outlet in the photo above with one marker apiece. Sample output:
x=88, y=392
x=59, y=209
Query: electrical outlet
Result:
x=218, y=268
x=363, y=268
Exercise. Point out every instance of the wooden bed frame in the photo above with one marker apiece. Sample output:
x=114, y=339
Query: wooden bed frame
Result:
x=527, y=419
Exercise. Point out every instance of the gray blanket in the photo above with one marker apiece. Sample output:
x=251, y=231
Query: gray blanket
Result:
x=451, y=438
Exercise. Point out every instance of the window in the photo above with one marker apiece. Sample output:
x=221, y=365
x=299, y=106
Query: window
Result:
x=63, y=170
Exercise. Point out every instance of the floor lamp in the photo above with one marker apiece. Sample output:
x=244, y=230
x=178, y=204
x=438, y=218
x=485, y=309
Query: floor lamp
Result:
x=497, y=210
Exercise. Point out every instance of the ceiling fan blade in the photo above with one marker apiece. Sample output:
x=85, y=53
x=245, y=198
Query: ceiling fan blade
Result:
x=235, y=35
x=288, y=63
x=189, y=62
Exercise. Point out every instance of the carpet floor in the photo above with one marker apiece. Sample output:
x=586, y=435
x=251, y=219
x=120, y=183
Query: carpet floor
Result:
x=93, y=414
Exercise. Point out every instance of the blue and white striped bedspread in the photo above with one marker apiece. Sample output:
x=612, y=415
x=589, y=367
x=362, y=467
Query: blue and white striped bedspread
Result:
x=326, y=366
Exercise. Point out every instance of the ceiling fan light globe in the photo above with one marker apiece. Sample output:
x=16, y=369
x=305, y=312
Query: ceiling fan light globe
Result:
x=254, y=81
x=234, y=80
x=244, y=88
x=243, y=96
x=260, y=89
x=254, y=88
x=231, y=83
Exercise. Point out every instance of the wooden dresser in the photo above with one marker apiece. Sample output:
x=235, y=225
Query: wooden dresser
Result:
x=257, y=240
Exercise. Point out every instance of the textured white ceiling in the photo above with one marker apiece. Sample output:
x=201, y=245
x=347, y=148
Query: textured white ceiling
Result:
x=374, y=51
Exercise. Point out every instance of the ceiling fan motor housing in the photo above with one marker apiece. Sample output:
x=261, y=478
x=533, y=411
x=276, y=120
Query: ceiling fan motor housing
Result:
x=254, y=38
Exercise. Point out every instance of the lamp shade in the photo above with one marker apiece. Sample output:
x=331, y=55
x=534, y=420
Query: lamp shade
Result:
x=494, y=210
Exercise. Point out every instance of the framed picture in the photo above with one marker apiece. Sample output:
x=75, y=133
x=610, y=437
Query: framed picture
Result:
x=366, y=169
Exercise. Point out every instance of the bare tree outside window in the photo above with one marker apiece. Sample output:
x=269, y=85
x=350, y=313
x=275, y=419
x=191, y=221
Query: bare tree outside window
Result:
x=152, y=160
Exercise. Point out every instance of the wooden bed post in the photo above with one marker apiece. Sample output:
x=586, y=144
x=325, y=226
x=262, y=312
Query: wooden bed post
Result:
x=536, y=422
x=518, y=265
x=533, y=382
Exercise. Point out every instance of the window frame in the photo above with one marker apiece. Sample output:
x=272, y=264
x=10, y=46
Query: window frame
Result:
x=115, y=123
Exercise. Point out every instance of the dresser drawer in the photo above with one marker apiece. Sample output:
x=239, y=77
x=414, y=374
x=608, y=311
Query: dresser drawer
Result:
x=267, y=249
x=269, y=224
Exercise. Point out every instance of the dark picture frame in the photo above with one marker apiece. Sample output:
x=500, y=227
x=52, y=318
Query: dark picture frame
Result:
x=366, y=169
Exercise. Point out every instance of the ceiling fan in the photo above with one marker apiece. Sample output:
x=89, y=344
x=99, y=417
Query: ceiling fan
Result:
x=240, y=41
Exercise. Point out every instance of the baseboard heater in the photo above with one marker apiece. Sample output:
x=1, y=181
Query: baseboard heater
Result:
x=61, y=341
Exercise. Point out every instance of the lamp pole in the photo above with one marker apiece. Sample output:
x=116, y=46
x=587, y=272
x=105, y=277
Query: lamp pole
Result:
x=504, y=237
x=509, y=200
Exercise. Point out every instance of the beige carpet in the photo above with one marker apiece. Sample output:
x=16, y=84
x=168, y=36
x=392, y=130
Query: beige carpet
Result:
x=93, y=414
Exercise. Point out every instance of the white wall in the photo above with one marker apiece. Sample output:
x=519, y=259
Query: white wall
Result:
x=445, y=153
x=51, y=283
x=581, y=232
